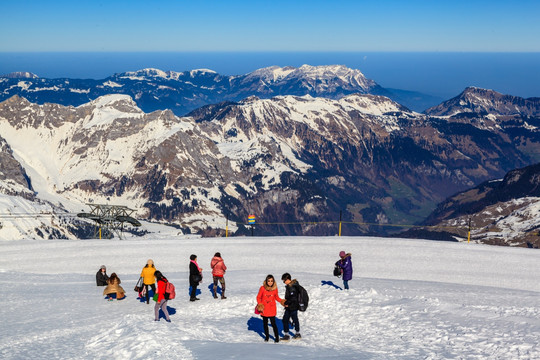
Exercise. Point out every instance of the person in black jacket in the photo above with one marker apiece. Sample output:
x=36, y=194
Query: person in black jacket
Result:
x=291, y=307
x=101, y=276
x=195, y=277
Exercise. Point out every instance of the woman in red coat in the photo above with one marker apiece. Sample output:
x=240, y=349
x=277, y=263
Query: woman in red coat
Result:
x=266, y=305
x=161, y=301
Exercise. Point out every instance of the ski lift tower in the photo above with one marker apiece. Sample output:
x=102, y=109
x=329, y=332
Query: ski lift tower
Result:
x=110, y=218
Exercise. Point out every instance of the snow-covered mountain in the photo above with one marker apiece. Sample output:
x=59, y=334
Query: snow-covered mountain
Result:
x=476, y=101
x=282, y=158
x=181, y=92
x=502, y=212
x=21, y=75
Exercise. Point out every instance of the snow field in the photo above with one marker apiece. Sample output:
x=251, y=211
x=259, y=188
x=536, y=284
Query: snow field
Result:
x=409, y=299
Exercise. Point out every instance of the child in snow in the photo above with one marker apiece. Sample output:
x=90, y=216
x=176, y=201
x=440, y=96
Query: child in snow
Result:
x=101, y=276
x=266, y=305
x=147, y=274
x=195, y=277
x=114, y=288
x=161, y=301
x=345, y=264
x=218, y=272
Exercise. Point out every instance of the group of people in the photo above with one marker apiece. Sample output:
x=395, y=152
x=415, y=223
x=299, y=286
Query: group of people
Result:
x=266, y=306
x=266, y=297
x=113, y=289
x=149, y=277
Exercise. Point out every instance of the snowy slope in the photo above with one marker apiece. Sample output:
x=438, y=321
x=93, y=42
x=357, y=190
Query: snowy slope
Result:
x=109, y=150
x=409, y=299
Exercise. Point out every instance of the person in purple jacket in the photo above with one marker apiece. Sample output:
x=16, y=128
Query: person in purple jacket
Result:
x=345, y=264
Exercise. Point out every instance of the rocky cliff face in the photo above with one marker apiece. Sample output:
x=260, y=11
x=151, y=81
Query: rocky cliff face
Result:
x=13, y=178
x=286, y=159
x=501, y=212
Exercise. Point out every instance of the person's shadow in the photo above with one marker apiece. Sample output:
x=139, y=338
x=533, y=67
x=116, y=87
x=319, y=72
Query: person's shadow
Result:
x=170, y=310
x=142, y=299
x=197, y=292
x=330, y=283
x=211, y=289
x=256, y=324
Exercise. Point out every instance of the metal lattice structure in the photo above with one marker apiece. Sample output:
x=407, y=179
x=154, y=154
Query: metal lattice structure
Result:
x=109, y=218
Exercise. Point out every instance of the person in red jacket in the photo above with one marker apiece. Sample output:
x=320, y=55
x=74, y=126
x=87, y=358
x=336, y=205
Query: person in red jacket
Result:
x=161, y=301
x=266, y=305
x=218, y=273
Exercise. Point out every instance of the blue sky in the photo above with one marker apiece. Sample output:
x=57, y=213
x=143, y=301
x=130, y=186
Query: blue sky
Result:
x=315, y=25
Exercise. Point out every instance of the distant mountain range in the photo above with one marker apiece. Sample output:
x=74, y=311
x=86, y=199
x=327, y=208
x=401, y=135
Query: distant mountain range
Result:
x=181, y=92
x=289, y=159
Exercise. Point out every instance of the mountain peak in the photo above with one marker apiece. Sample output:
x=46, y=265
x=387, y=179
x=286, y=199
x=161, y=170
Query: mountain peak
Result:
x=149, y=73
x=272, y=73
x=479, y=91
x=486, y=101
x=113, y=100
x=21, y=75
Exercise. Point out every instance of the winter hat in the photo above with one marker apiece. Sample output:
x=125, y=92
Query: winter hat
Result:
x=103, y=267
x=342, y=253
x=150, y=262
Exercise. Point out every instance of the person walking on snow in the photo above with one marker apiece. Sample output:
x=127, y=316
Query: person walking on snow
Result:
x=345, y=264
x=266, y=305
x=218, y=272
x=101, y=276
x=161, y=301
x=149, y=279
x=195, y=277
x=291, y=307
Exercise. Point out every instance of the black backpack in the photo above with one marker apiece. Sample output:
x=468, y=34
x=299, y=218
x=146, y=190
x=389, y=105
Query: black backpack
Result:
x=337, y=271
x=303, y=298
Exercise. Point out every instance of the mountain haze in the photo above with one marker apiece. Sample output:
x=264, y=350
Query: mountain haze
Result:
x=181, y=92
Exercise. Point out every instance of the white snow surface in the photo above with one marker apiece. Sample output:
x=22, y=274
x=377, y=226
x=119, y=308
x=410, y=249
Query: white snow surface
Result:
x=409, y=299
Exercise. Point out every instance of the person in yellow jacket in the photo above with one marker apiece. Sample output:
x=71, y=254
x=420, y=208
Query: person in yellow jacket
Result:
x=149, y=279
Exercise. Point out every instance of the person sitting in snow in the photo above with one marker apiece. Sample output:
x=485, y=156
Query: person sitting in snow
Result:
x=345, y=264
x=114, y=289
x=218, y=271
x=101, y=276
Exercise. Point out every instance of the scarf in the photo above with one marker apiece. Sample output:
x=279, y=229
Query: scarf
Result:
x=197, y=265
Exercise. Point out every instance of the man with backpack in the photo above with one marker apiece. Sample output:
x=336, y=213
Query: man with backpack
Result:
x=291, y=304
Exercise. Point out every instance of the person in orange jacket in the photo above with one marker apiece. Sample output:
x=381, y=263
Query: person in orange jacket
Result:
x=218, y=272
x=149, y=279
x=266, y=305
x=161, y=302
